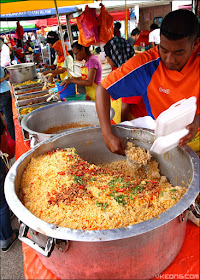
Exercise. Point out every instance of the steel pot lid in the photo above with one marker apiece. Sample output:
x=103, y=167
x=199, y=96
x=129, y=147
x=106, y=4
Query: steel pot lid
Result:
x=185, y=156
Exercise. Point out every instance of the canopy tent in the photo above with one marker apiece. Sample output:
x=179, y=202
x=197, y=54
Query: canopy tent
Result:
x=48, y=22
x=26, y=28
x=30, y=9
x=38, y=14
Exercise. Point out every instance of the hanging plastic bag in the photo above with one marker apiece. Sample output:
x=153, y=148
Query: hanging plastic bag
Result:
x=88, y=27
x=105, y=21
x=7, y=144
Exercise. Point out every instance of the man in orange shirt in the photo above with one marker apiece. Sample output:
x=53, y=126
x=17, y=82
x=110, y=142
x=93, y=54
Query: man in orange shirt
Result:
x=162, y=76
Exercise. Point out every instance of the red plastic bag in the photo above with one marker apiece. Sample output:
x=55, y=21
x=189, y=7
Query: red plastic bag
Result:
x=7, y=144
x=105, y=21
x=88, y=27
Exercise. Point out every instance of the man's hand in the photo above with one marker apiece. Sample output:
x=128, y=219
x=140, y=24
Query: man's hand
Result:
x=193, y=129
x=45, y=66
x=114, y=144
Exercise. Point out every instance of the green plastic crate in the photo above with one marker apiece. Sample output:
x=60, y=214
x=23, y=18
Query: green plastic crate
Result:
x=75, y=97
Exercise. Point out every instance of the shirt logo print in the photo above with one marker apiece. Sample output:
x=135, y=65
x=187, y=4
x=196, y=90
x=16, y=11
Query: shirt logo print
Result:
x=167, y=91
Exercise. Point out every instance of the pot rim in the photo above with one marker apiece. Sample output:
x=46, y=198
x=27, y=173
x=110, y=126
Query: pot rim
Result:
x=58, y=104
x=21, y=65
x=54, y=231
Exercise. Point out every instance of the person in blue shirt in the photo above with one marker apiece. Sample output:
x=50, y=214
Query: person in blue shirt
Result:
x=5, y=100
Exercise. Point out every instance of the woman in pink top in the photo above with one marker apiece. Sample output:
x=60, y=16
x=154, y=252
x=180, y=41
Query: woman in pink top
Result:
x=91, y=72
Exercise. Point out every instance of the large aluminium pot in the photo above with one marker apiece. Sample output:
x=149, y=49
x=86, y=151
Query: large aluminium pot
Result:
x=61, y=113
x=140, y=251
x=22, y=72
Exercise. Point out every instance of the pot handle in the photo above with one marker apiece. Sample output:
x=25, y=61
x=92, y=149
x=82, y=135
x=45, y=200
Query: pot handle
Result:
x=23, y=72
x=195, y=210
x=33, y=140
x=45, y=251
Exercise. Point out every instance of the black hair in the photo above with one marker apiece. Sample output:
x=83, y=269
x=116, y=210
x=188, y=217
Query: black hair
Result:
x=153, y=26
x=118, y=25
x=179, y=24
x=52, y=37
x=135, y=31
x=79, y=47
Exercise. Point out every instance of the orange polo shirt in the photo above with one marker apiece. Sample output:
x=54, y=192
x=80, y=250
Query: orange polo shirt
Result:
x=146, y=75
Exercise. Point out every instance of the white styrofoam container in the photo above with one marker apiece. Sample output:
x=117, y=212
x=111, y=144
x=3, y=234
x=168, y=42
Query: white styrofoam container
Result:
x=165, y=143
x=177, y=117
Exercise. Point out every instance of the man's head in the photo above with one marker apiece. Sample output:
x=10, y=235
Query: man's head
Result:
x=178, y=34
x=153, y=26
x=118, y=25
x=136, y=33
x=52, y=37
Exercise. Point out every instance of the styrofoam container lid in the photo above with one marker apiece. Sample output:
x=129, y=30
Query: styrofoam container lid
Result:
x=177, y=117
x=165, y=143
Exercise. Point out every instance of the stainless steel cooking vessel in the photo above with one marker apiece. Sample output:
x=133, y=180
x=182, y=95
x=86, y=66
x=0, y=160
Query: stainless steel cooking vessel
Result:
x=81, y=112
x=22, y=72
x=140, y=251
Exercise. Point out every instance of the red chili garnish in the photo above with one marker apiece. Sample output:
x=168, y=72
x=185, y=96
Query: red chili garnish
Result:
x=81, y=162
x=54, y=192
x=81, y=187
x=153, y=182
x=120, y=190
x=102, y=187
x=61, y=173
x=84, y=227
x=51, y=199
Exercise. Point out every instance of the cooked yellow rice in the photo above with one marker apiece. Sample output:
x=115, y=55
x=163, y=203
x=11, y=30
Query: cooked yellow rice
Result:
x=61, y=188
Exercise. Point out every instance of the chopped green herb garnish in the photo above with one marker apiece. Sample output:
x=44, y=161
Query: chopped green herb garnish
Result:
x=120, y=199
x=78, y=180
x=173, y=190
x=102, y=205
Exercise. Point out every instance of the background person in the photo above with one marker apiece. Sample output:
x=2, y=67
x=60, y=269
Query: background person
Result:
x=59, y=65
x=7, y=235
x=117, y=51
x=4, y=54
x=117, y=27
x=135, y=34
x=91, y=72
x=154, y=35
x=173, y=65
x=6, y=100
x=52, y=37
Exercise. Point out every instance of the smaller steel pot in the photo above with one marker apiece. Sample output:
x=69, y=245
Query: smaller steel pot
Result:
x=22, y=72
x=61, y=113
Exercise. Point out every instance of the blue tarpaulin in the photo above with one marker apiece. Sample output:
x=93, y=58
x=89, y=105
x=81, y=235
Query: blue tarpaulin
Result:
x=45, y=13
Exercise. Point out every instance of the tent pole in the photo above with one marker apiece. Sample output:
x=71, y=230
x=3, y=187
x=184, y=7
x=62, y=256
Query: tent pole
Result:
x=126, y=23
x=62, y=39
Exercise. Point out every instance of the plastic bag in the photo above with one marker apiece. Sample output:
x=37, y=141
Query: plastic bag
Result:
x=93, y=29
x=88, y=27
x=7, y=144
x=105, y=21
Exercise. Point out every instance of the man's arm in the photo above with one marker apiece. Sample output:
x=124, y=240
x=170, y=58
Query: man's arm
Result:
x=102, y=100
x=193, y=129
